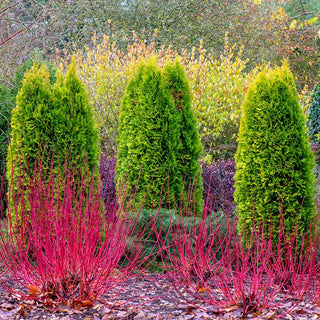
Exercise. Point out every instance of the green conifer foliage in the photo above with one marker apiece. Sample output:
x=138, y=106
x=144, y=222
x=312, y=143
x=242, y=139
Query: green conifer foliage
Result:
x=8, y=93
x=188, y=149
x=75, y=134
x=155, y=153
x=274, y=161
x=51, y=123
x=314, y=118
x=143, y=141
x=31, y=123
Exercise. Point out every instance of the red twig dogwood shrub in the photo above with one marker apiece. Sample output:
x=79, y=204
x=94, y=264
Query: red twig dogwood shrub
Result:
x=294, y=261
x=208, y=261
x=63, y=249
x=314, y=287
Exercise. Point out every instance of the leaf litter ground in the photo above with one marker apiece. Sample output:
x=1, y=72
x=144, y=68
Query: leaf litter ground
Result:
x=143, y=298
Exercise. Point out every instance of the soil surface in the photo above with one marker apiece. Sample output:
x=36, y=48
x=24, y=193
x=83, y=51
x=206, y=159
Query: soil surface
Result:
x=142, y=298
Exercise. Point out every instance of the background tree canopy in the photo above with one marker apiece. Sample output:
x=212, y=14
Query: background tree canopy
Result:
x=261, y=31
x=269, y=30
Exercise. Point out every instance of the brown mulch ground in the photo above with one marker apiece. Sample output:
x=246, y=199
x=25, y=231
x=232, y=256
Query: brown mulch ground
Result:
x=144, y=299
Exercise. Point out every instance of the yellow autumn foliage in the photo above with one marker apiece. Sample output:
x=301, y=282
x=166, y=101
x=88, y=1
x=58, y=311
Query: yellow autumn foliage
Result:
x=218, y=86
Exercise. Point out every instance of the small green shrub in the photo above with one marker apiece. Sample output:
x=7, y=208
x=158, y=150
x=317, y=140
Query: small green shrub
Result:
x=274, y=161
x=158, y=144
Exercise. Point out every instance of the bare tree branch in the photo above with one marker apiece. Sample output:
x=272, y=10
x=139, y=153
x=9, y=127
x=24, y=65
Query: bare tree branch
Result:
x=4, y=11
x=28, y=26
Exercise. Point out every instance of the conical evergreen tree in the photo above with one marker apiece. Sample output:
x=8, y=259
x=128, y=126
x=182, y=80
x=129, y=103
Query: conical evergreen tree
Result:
x=31, y=132
x=274, y=161
x=8, y=94
x=158, y=144
x=51, y=123
x=75, y=134
x=31, y=123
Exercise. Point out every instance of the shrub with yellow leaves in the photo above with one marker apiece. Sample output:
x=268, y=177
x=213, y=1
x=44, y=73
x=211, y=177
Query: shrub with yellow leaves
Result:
x=218, y=90
x=105, y=69
x=218, y=87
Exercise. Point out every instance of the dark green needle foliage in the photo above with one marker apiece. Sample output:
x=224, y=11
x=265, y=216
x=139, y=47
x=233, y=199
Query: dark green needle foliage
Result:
x=274, y=161
x=156, y=158
x=314, y=118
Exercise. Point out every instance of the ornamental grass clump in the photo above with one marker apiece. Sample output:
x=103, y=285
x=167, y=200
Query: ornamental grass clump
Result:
x=64, y=250
x=274, y=162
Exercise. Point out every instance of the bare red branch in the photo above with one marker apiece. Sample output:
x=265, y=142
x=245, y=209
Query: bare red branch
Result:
x=35, y=21
x=3, y=12
x=61, y=248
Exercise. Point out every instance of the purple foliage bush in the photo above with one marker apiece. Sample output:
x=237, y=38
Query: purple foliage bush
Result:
x=218, y=182
x=107, y=172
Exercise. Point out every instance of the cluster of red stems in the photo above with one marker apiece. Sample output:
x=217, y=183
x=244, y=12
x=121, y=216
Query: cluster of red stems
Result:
x=69, y=246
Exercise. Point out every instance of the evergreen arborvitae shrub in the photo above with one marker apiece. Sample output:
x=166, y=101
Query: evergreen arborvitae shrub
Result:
x=314, y=119
x=146, y=132
x=8, y=93
x=31, y=123
x=188, y=149
x=274, y=162
x=75, y=134
x=51, y=123
x=156, y=154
